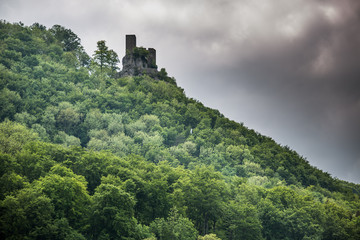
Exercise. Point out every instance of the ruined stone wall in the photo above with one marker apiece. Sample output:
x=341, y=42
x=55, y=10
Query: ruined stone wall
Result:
x=152, y=57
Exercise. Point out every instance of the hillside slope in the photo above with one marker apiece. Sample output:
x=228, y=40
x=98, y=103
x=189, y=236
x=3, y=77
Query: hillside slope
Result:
x=166, y=163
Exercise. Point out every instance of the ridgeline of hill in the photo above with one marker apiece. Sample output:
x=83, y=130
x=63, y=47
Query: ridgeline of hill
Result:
x=87, y=155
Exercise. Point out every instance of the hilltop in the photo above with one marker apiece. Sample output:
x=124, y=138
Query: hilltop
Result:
x=91, y=152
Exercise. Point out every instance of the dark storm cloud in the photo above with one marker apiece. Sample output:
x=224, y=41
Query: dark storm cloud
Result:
x=299, y=66
x=316, y=74
x=288, y=69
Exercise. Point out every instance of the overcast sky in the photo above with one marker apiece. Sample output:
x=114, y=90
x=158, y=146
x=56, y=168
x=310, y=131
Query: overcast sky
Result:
x=288, y=69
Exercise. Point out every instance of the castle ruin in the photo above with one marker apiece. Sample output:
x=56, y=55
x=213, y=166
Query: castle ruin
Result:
x=138, y=60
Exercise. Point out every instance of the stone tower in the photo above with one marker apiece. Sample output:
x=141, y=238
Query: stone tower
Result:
x=130, y=43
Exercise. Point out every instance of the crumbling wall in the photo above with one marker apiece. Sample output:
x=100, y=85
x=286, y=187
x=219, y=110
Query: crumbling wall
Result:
x=152, y=57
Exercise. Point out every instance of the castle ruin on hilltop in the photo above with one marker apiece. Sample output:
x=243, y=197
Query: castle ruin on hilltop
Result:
x=138, y=60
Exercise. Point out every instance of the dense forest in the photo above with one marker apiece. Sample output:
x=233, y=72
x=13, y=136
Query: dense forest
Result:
x=87, y=155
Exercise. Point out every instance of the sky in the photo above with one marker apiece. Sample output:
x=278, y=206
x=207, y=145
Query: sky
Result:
x=289, y=70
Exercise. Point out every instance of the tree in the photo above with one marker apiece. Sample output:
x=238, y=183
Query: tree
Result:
x=101, y=54
x=21, y=215
x=113, y=60
x=68, y=194
x=209, y=237
x=68, y=118
x=112, y=214
x=10, y=103
x=30, y=215
x=285, y=214
x=240, y=221
x=10, y=183
x=175, y=227
x=13, y=137
x=69, y=40
x=203, y=193
x=336, y=219
x=106, y=58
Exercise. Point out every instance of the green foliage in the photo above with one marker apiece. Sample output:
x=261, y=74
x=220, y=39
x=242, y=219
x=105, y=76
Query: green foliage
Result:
x=67, y=192
x=14, y=136
x=140, y=52
x=203, y=193
x=9, y=103
x=163, y=75
x=84, y=155
x=241, y=221
x=209, y=237
x=112, y=213
x=69, y=40
x=175, y=227
x=23, y=214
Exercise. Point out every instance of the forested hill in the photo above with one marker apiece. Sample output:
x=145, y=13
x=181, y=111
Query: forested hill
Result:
x=87, y=155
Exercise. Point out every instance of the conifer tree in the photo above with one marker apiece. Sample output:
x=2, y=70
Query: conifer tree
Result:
x=105, y=57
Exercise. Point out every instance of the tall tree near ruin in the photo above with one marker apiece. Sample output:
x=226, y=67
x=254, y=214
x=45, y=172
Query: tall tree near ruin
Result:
x=105, y=57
